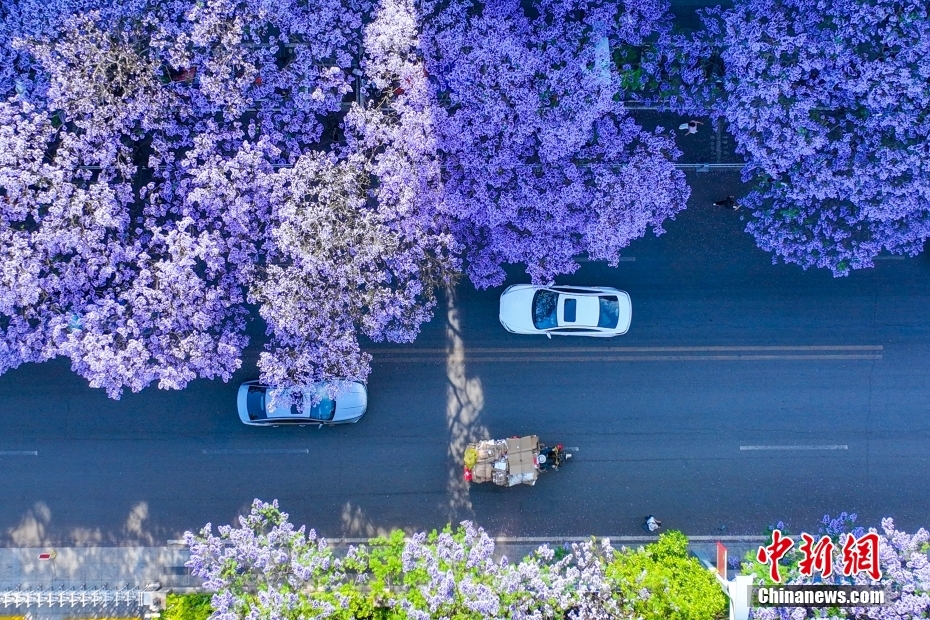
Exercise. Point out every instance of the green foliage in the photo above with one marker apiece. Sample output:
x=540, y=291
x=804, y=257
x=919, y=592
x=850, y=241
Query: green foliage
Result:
x=560, y=552
x=187, y=607
x=679, y=587
x=374, y=572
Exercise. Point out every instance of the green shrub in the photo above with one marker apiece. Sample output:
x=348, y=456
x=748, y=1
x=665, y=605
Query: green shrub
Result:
x=187, y=607
x=679, y=587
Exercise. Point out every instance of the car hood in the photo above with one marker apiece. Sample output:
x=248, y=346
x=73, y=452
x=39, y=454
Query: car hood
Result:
x=352, y=403
x=516, y=310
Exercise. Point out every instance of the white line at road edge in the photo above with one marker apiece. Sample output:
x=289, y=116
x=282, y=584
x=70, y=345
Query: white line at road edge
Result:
x=260, y=451
x=511, y=540
x=608, y=350
x=833, y=447
x=19, y=453
x=565, y=539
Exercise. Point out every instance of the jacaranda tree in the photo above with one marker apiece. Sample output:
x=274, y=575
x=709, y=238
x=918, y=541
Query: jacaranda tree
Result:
x=265, y=567
x=131, y=292
x=542, y=162
x=829, y=103
x=354, y=244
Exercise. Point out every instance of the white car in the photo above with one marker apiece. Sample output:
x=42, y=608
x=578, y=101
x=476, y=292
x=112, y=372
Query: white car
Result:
x=597, y=311
x=260, y=405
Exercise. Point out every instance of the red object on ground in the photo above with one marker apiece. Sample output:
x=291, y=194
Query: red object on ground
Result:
x=721, y=560
x=467, y=475
x=46, y=556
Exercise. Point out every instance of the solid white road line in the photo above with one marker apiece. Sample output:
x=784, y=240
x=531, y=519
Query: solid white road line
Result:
x=567, y=539
x=800, y=447
x=634, y=358
x=610, y=350
x=19, y=453
x=259, y=451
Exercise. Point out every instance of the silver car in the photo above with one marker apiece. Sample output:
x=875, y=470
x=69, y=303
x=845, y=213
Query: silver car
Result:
x=598, y=311
x=260, y=405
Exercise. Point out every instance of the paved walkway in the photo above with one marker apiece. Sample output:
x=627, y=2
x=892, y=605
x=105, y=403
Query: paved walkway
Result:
x=110, y=568
x=86, y=573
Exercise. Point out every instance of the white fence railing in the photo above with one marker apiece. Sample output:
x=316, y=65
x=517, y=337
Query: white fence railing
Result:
x=69, y=598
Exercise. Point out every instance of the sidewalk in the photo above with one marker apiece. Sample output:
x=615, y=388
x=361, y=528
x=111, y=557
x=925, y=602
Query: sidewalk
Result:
x=89, y=571
x=112, y=568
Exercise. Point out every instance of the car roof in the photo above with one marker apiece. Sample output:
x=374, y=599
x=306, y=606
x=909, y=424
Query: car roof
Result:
x=584, y=310
x=348, y=404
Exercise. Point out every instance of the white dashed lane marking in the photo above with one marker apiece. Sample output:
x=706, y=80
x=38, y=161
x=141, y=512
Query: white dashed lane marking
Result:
x=258, y=451
x=799, y=447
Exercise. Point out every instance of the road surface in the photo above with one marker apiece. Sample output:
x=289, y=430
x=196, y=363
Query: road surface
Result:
x=744, y=393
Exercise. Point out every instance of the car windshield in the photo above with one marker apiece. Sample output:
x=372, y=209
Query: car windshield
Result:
x=323, y=410
x=255, y=403
x=610, y=312
x=544, y=309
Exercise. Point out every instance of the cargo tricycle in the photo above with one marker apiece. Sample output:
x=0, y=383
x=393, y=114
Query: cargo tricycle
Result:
x=513, y=461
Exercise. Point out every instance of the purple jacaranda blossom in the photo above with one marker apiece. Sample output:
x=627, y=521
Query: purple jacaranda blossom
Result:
x=829, y=105
x=265, y=567
x=128, y=305
x=274, y=69
x=842, y=123
x=131, y=290
x=343, y=255
x=23, y=23
x=337, y=266
x=134, y=198
x=542, y=163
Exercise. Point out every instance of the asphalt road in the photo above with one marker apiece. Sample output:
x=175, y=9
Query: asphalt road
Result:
x=726, y=352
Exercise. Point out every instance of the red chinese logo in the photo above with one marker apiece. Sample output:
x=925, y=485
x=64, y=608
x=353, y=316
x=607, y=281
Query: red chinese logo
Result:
x=817, y=557
x=774, y=552
x=861, y=556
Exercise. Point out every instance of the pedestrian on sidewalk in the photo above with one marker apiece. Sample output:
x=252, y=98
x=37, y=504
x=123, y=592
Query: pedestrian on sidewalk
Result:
x=690, y=126
x=651, y=524
x=727, y=203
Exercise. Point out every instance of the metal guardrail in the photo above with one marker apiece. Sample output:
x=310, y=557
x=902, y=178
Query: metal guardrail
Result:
x=70, y=597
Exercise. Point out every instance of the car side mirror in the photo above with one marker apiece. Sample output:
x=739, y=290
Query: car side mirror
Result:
x=548, y=335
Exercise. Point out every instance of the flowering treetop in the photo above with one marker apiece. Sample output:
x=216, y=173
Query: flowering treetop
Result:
x=267, y=568
x=542, y=163
x=831, y=109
